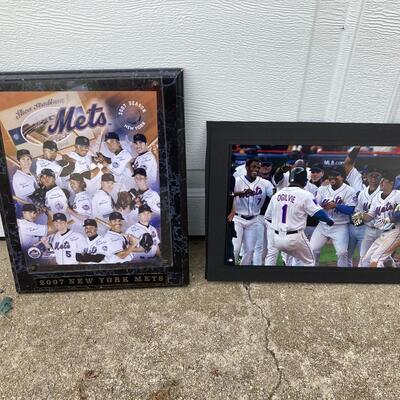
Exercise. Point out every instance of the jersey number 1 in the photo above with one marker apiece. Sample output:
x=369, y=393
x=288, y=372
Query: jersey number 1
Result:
x=284, y=213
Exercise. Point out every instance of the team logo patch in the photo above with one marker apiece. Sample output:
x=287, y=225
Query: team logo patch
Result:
x=115, y=164
x=34, y=252
x=131, y=115
x=58, y=206
x=86, y=207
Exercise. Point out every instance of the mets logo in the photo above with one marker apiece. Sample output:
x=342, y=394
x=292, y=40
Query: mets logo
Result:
x=115, y=164
x=34, y=252
x=131, y=115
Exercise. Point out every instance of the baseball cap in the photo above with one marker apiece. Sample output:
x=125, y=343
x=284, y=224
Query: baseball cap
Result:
x=76, y=177
x=266, y=164
x=317, y=168
x=143, y=208
x=115, y=215
x=23, y=152
x=82, y=141
x=59, y=217
x=29, y=207
x=338, y=170
x=111, y=135
x=389, y=175
x=90, y=222
x=370, y=170
x=139, y=137
x=50, y=144
x=139, y=171
x=107, y=178
x=48, y=172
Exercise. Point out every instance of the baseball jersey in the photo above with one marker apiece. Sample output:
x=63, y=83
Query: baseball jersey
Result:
x=114, y=243
x=56, y=200
x=42, y=163
x=152, y=199
x=95, y=246
x=119, y=165
x=23, y=184
x=289, y=208
x=82, y=164
x=66, y=246
x=365, y=200
x=149, y=163
x=30, y=232
x=344, y=195
x=382, y=208
x=82, y=205
x=102, y=204
x=354, y=178
x=138, y=230
x=251, y=205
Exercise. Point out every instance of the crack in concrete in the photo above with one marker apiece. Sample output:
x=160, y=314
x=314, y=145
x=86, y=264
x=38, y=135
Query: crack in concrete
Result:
x=267, y=319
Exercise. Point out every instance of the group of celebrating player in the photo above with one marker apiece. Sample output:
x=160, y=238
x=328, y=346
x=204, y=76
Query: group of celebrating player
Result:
x=86, y=207
x=296, y=210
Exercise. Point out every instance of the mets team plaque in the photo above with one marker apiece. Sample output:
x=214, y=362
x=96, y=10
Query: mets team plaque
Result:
x=90, y=162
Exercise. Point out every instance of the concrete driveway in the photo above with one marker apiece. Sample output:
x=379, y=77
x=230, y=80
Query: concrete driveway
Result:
x=204, y=341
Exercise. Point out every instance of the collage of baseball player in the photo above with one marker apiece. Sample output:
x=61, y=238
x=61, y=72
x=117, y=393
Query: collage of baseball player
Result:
x=303, y=205
x=85, y=184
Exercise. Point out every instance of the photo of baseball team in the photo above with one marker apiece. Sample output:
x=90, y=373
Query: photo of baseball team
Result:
x=303, y=205
x=94, y=201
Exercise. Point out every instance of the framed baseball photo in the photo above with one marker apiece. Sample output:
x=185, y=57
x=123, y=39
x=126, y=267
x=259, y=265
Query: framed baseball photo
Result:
x=316, y=202
x=92, y=170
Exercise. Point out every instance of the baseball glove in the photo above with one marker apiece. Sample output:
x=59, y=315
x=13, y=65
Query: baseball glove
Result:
x=38, y=198
x=146, y=242
x=124, y=200
x=357, y=218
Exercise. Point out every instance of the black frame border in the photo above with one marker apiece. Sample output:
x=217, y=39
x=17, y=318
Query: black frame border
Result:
x=221, y=135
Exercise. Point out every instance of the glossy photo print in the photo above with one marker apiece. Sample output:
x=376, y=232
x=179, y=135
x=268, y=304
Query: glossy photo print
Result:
x=84, y=171
x=311, y=205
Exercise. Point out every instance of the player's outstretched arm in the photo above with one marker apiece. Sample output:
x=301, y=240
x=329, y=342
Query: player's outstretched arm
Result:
x=344, y=209
x=351, y=159
x=89, y=257
x=324, y=217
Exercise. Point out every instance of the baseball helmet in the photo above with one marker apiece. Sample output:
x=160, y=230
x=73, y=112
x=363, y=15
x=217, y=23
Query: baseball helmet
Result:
x=298, y=176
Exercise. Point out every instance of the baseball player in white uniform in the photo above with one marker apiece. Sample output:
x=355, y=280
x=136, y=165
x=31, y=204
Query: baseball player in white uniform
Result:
x=117, y=248
x=102, y=202
x=96, y=246
x=61, y=168
x=147, y=195
x=30, y=232
x=339, y=200
x=66, y=243
x=288, y=211
x=85, y=164
x=142, y=227
x=81, y=206
x=363, y=235
x=120, y=162
x=145, y=159
x=56, y=200
x=23, y=181
x=382, y=213
x=250, y=193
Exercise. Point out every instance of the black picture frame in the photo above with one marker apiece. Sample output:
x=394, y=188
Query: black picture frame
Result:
x=221, y=135
x=164, y=89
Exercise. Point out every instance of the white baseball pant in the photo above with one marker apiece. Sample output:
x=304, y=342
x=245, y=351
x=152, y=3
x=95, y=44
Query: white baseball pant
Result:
x=340, y=239
x=246, y=236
